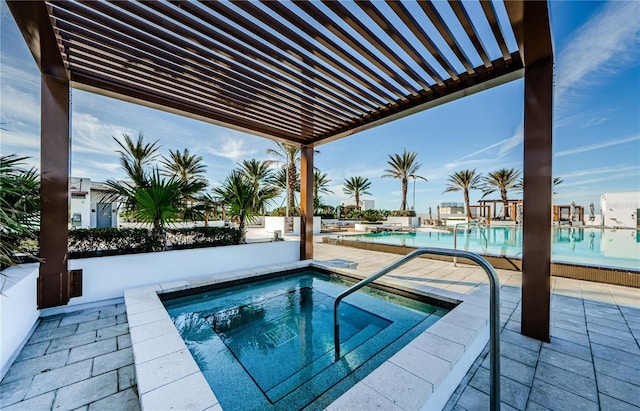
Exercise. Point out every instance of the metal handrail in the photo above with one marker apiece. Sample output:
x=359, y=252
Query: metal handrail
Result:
x=494, y=308
x=455, y=236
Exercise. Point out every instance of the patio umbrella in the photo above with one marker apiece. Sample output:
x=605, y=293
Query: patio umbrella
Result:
x=519, y=213
x=592, y=212
x=438, y=212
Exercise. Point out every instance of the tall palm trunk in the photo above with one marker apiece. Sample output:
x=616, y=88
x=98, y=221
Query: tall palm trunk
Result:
x=405, y=184
x=503, y=194
x=358, y=200
x=291, y=185
x=466, y=204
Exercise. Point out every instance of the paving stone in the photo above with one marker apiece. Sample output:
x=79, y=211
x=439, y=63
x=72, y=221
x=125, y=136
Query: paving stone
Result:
x=152, y=374
x=121, y=318
x=41, y=402
x=113, y=331
x=112, y=311
x=86, y=392
x=151, y=330
x=569, y=326
x=615, y=355
x=126, y=377
x=13, y=392
x=473, y=399
x=515, y=370
x=556, y=398
x=567, y=381
x=611, y=404
x=618, y=389
x=34, y=366
x=599, y=322
x=361, y=397
x=83, y=408
x=570, y=348
x=71, y=341
x=96, y=325
x=59, y=377
x=80, y=318
x=574, y=337
x=426, y=366
x=520, y=340
x=51, y=333
x=439, y=347
x=567, y=362
x=92, y=350
x=124, y=341
x=534, y=406
x=618, y=371
x=47, y=324
x=511, y=392
x=615, y=342
x=518, y=353
x=33, y=350
x=112, y=361
x=122, y=401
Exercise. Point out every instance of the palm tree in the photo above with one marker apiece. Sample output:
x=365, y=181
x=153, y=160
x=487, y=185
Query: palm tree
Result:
x=356, y=186
x=289, y=155
x=19, y=206
x=520, y=184
x=188, y=168
x=158, y=204
x=238, y=194
x=262, y=177
x=503, y=180
x=464, y=180
x=320, y=186
x=402, y=167
x=136, y=159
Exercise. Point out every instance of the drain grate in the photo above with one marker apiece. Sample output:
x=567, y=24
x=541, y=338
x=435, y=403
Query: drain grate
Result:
x=280, y=334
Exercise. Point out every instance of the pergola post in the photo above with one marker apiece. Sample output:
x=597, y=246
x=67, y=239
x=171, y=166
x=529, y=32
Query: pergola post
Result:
x=306, y=202
x=537, y=197
x=54, y=282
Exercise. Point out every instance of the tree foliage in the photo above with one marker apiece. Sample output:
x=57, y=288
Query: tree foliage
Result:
x=403, y=166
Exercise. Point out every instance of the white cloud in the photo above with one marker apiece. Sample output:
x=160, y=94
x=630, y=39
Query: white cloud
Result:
x=494, y=151
x=235, y=147
x=19, y=140
x=598, y=146
x=602, y=45
x=91, y=135
x=600, y=171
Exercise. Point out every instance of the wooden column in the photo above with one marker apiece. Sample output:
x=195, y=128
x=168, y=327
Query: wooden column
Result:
x=306, y=202
x=537, y=207
x=53, y=282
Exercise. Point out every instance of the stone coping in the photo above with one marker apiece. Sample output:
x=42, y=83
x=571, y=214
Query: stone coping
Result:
x=423, y=374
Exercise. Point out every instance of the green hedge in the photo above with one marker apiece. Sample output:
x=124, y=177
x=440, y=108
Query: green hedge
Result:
x=90, y=242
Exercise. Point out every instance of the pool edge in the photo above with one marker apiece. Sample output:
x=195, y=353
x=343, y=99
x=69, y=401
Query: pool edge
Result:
x=168, y=376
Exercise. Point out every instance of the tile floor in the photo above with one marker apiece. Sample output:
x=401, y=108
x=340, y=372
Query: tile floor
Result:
x=83, y=360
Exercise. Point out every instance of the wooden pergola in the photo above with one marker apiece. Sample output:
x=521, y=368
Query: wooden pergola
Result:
x=304, y=73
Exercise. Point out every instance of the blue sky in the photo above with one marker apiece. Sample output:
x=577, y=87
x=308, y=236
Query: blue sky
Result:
x=596, y=121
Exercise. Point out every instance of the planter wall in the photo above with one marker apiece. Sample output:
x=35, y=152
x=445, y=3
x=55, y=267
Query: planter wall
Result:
x=108, y=277
x=272, y=224
x=18, y=311
x=404, y=221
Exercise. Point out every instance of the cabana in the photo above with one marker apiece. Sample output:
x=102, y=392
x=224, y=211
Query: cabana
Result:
x=263, y=76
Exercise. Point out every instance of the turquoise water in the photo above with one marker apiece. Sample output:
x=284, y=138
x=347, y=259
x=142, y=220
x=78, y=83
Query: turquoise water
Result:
x=269, y=345
x=586, y=246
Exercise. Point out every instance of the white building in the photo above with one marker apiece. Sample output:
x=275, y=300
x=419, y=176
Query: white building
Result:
x=621, y=209
x=89, y=209
x=364, y=204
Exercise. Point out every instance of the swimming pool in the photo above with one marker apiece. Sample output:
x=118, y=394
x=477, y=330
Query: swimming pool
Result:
x=618, y=248
x=269, y=344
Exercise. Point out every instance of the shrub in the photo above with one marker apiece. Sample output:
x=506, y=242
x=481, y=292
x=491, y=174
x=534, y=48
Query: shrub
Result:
x=203, y=237
x=282, y=212
x=371, y=215
x=402, y=213
x=355, y=214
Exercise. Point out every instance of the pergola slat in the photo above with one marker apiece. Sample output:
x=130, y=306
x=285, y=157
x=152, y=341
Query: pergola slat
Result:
x=377, y=16
x=274, y=80
x=327, y=64
x=274, y=58
x=434, y=16
x=470, y=29
x=191, y=84
x=490, y=13
x=380, y=45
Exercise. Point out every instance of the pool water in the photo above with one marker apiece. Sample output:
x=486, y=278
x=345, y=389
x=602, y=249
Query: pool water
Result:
x=269, y=344
x=618, y=248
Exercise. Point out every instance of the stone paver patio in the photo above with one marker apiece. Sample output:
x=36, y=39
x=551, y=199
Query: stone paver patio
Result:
x=83, y=360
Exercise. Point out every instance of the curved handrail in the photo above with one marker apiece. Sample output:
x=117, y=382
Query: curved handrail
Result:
x=494, y=308
x=455, y=236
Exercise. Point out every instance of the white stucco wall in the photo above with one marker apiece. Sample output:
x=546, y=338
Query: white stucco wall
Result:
x=107, y=277
x=272, y=224
x=620, y=209
x=18, y=311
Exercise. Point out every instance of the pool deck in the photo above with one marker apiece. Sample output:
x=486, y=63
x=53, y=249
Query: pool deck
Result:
x=83, y=360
